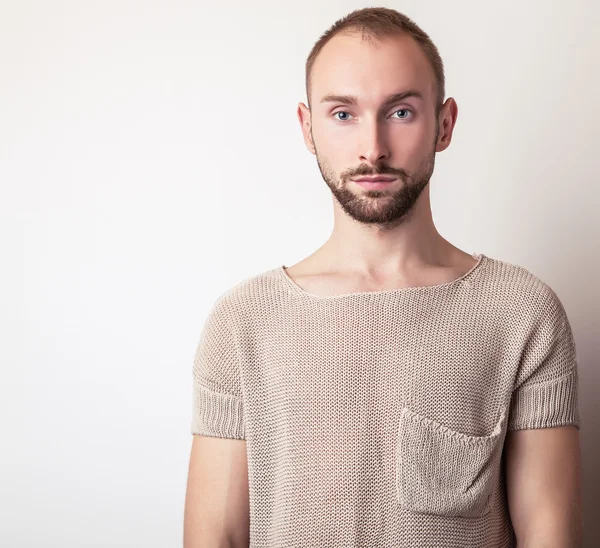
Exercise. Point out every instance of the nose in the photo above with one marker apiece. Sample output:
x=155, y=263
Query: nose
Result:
x=373, y=147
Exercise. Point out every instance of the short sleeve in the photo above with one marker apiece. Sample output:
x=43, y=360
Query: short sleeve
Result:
x=546, y=387
x=217, y=400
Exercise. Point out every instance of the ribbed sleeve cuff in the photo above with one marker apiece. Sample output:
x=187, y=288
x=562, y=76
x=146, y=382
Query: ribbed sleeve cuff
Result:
x=546, y=404
x=218, y=415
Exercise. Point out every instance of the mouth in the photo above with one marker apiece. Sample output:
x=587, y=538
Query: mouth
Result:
x=375, y=179
x=374, y=183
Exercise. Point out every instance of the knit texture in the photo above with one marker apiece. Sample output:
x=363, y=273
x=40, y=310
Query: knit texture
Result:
x=378, y=418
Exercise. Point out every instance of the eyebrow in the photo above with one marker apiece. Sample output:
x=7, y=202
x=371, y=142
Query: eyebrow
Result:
x=352, y=100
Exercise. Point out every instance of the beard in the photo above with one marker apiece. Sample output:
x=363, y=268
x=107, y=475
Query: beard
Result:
x=385, y=207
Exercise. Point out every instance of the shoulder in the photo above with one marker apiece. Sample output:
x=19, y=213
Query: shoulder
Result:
x=519, y=289
x=254, y=294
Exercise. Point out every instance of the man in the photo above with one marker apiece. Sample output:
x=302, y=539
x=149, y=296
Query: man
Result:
x=390, y=389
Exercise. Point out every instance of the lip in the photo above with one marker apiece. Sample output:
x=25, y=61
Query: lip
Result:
x=375, y=183
x=375, y=179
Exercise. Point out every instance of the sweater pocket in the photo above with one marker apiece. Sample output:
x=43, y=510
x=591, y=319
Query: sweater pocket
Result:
x=445, y=472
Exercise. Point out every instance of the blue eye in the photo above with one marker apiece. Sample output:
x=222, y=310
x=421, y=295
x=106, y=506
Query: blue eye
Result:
x=402, y=110
x=342, y=112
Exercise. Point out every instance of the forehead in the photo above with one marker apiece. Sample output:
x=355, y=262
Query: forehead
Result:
x=371, y=68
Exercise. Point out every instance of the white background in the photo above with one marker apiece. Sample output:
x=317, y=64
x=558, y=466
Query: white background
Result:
x=150, y=158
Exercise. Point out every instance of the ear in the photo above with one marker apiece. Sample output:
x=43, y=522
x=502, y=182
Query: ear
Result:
x=447, y=120
x=304, y=117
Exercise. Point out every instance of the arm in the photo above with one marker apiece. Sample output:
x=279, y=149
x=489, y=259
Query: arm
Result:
x=543, y=483
x=217, y=512
x=217, y=505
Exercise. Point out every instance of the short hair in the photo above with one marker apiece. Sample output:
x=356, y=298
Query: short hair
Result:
x=378, y=23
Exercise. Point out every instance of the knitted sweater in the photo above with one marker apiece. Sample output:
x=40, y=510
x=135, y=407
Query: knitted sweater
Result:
x=378, y=418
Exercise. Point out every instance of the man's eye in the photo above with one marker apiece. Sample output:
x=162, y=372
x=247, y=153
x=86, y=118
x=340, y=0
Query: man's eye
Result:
x=402, y=110
x=342, y=112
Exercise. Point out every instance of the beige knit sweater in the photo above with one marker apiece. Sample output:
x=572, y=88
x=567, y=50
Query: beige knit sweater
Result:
x=377, y=419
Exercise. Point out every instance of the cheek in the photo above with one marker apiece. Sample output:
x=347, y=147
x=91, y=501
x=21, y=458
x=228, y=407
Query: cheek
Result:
x=334, y=146
x=411, y=141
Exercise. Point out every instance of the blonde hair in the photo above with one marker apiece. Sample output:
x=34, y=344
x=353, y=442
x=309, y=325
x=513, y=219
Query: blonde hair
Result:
x=378, y=23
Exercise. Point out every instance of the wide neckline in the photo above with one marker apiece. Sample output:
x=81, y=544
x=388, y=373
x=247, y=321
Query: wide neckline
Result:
x=281, y=270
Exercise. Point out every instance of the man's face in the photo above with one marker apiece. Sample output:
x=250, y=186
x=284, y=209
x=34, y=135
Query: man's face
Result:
x=373, y=136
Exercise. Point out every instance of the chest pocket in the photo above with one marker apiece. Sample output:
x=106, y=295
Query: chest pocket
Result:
x=443, y=471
